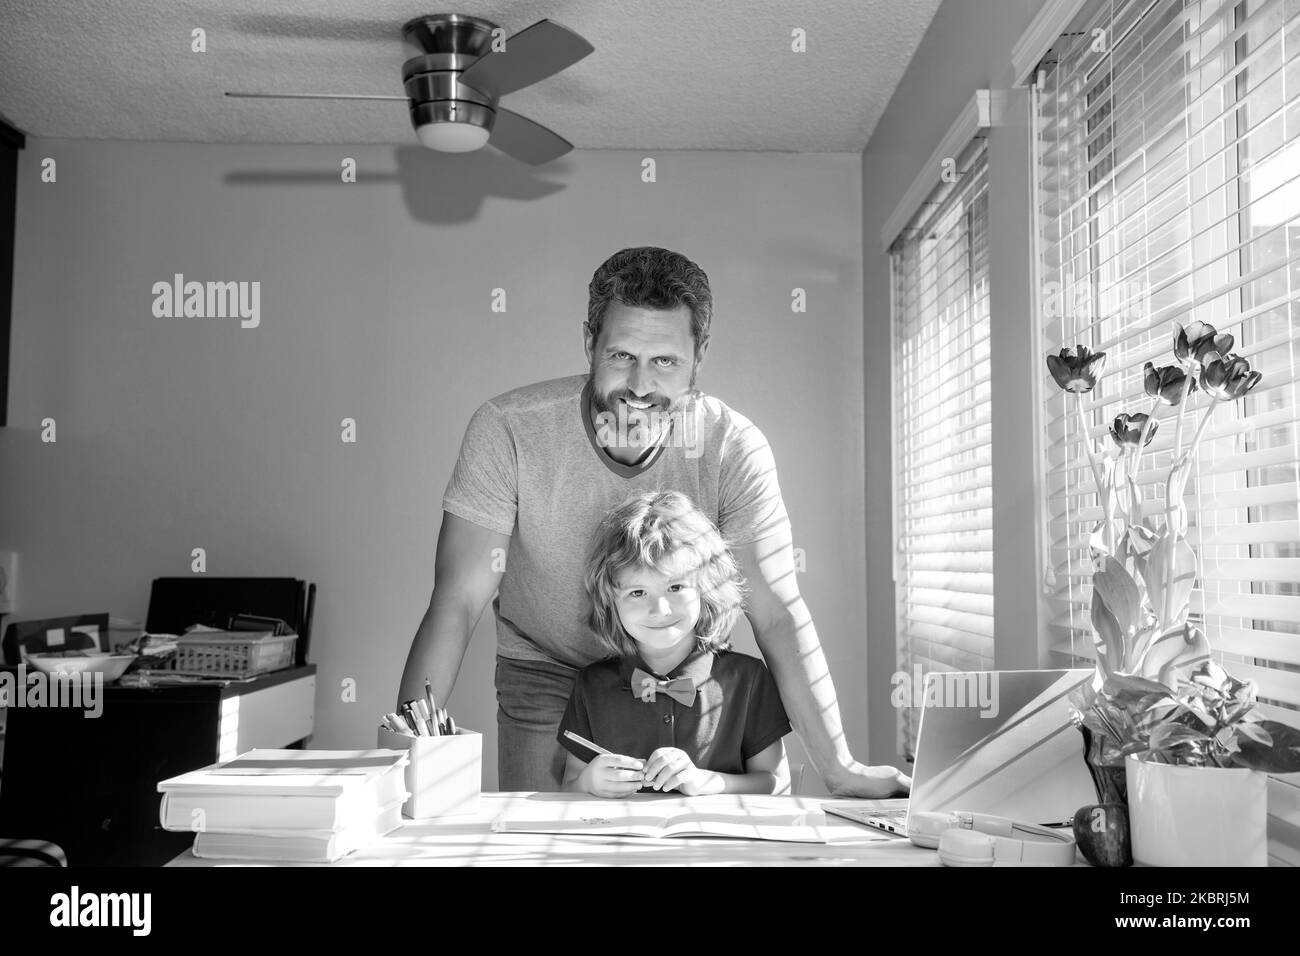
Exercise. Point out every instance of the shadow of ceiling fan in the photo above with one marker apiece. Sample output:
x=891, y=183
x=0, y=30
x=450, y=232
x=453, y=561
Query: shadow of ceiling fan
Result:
x=455, y=84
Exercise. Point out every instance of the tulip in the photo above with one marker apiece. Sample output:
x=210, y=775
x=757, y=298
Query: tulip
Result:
x=1077, y=369
x=1228, y=377
x=1166, y=383
x=1127, y=430
x=1194, y=343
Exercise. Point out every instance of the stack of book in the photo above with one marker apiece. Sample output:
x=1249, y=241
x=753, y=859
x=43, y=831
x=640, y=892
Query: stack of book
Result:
x=288, y=805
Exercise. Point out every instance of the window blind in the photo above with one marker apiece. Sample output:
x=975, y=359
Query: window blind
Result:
x=1168, y=141
x=943, y=483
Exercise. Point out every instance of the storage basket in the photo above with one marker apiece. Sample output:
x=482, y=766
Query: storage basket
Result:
x=232, y=656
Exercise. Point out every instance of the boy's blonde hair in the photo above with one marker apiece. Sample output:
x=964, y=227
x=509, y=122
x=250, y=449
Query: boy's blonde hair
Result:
x=648, y=531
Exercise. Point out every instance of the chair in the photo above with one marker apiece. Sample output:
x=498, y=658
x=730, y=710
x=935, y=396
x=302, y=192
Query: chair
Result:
x=31, y=853
x=176, y=603
x=81, y=632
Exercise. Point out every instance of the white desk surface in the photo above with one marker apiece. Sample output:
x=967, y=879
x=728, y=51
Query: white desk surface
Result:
x=469, y=841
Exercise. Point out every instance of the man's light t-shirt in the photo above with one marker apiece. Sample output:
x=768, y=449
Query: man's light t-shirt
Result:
x=530, y=467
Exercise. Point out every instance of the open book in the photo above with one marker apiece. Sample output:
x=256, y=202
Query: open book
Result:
x=742, y=817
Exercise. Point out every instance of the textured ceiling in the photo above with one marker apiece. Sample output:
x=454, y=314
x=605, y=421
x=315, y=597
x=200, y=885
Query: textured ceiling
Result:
x=680, y=74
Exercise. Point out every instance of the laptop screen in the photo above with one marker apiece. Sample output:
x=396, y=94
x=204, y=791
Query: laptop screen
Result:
x=1002, y=743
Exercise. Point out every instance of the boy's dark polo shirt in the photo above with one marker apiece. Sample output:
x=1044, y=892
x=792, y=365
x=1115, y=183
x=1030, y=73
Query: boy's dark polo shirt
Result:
x=737, y=712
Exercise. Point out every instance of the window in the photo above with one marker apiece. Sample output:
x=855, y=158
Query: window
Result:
x=1168, y=140
x=10, y=142
x=943, y=491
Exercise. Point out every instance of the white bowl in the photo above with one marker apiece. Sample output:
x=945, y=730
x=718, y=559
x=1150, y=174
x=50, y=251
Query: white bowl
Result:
x=112, y=666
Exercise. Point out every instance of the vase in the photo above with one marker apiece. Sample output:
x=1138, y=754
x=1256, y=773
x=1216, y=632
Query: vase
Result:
x=1197, y=816
x=1110, y=780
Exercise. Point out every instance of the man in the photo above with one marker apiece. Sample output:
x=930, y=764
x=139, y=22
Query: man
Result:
x=541, y=465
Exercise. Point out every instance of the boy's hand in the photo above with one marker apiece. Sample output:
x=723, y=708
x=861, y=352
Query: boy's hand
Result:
x=613, y=775
x=671, y=769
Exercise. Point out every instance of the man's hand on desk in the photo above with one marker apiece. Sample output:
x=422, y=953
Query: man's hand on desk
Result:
x=873, y=783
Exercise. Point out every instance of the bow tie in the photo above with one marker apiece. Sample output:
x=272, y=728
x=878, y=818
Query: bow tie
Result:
x=645, y=686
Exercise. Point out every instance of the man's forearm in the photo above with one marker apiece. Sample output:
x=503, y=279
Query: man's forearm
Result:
x=437, y=650
x=794, y=655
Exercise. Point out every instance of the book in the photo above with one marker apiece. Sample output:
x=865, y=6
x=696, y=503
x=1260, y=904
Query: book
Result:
x=294, y=845
x=748, y=817
x=285, y=789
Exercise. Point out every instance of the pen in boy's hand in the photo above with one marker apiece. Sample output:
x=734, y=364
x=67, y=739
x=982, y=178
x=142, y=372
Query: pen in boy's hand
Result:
x=586, y=743
x=594, y=747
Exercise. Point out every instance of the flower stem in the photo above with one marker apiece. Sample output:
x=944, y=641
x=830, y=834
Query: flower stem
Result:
x=1171, y=505
x=1182, y=407
x=1134, y=490
x=1108, y=506
x=1096, y=468
x=1146, y=429
x=1172, y=502
x=1174, y=490
x=1200, y=430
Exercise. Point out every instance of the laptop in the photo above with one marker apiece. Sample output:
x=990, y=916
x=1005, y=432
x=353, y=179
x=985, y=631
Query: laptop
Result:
x=995, y=742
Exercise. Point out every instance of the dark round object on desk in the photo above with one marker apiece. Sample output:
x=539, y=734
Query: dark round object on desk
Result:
x=1102, y=834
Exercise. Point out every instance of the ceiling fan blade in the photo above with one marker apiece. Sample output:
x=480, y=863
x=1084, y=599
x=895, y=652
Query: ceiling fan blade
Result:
x=525, y=140
x=312, y=96
x=532, y=54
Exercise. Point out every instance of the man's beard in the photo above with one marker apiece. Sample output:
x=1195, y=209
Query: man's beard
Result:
x=659, y=404
x=638, y=427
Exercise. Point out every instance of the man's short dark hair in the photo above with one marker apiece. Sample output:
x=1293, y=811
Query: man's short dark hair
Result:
x=651, y=278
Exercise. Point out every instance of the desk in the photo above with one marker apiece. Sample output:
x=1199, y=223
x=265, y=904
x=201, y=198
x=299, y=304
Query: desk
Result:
x=91, y=785
x=469, y=841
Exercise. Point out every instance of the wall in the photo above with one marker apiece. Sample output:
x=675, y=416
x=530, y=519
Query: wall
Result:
x=967, y=47
x=176, y=433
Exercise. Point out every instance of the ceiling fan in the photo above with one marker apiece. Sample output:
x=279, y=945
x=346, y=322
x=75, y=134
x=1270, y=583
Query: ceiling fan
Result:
x=455, y=84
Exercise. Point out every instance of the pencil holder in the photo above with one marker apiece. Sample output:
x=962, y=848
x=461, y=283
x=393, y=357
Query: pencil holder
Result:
x=445, y=774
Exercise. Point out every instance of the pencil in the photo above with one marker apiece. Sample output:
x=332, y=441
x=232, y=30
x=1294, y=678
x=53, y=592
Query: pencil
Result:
x=585, y=742
x=590, y=746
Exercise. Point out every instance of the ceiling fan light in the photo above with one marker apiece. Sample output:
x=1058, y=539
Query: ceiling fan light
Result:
x=450, y=137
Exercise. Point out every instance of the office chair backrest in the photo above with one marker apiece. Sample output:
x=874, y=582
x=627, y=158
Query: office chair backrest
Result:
x=176, y=603
x=79, y=632
x=31, y=853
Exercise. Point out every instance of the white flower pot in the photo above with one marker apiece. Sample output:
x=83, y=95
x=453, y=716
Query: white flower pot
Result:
x=1196, y=816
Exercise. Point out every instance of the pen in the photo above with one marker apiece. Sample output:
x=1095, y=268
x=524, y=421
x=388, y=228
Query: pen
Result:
x=590, y=746
x=428, y=697
x=413, y=719
x=422, y=711
x=395, y=723
x=586, y=743
x=400, y=725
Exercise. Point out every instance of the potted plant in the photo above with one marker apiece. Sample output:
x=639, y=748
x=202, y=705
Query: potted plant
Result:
x=1167, y=731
